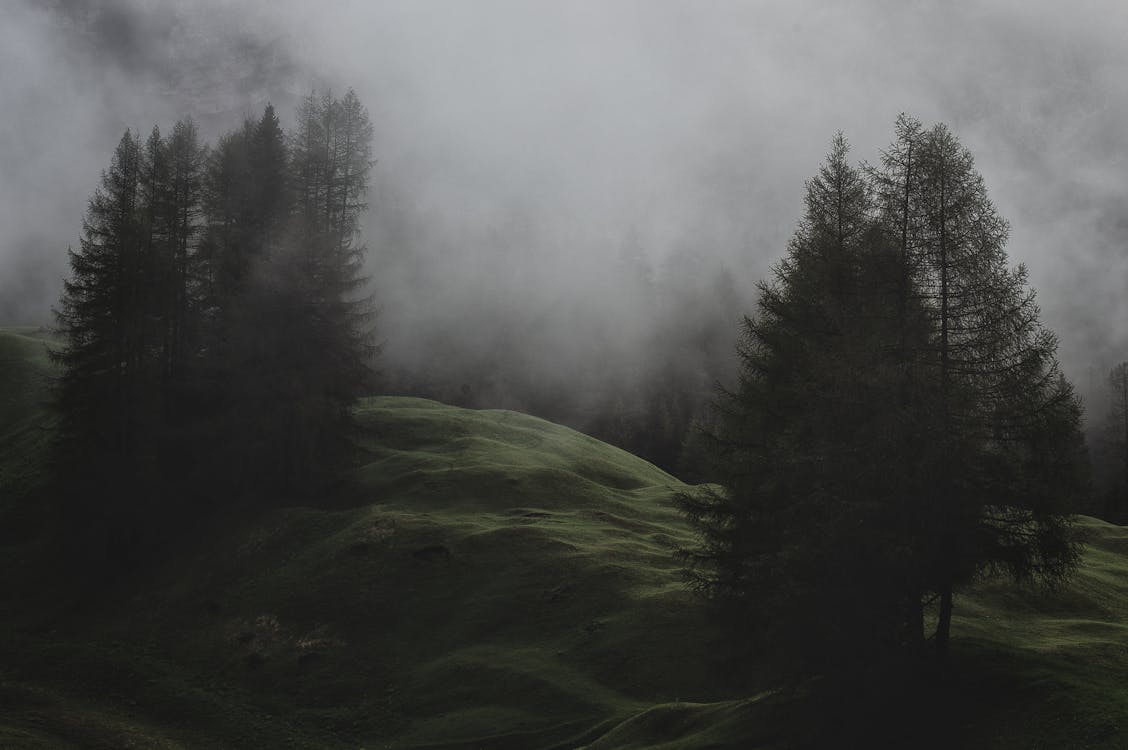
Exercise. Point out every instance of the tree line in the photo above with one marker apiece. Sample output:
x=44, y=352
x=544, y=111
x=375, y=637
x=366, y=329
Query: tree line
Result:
x=900, y=426
x=640, y=383
x=216, y=329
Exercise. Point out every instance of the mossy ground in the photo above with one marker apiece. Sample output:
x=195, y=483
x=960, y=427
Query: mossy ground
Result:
x=500, y=582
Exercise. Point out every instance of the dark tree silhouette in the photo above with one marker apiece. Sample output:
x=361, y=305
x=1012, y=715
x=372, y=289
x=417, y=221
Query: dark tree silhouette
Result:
x=900, y=426
x=329, y=326
x=291, y=336
x=102, y=316
x=108, y=390
x=801, y=541
x=216, y=334
x=1009, y=452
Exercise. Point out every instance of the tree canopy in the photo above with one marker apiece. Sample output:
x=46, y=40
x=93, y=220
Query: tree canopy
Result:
x=215, y=328
x=900, y=426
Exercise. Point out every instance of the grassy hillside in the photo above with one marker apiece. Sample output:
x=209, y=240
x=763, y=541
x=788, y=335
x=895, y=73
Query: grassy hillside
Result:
x=502, y=582
x=25, y=374
x=26, y=423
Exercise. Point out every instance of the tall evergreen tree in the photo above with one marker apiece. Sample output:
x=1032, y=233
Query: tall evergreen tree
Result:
x=101, y=317
x=800, y=537
x=323, y=275
x=206, y=301
x=226, y=250
x=1008, y=445
x=154, y=210
x=290, y=343
x=901, y=425
x=270, y=203
x=106, y=394
x=248, y=208
x=183, y=219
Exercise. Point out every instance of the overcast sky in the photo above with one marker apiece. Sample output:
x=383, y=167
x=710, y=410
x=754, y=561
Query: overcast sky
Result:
x=562, y=129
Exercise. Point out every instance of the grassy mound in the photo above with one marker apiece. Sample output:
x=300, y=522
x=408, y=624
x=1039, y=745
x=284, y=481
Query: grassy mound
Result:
x=502, y=582
x=507, y=583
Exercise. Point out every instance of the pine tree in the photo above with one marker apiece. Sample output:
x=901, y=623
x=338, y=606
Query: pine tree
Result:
x=154, y=209
x=226, y=250
x=220, y=294
x=323, y=276
x=183, y=225
x=101, y=316
x=800, y=540
x=1008, y=448
x=270, y=202
x=290, y=333
x=248, y=209
x=106, y=393
x=901, y=425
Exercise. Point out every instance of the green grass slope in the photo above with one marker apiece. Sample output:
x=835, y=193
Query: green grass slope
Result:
x=26, y=426
x=502, y=582
x=1058, y=661
x=507, y=583
x=25, y=378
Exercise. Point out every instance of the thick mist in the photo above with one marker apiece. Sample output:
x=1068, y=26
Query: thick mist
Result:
x=564, y=191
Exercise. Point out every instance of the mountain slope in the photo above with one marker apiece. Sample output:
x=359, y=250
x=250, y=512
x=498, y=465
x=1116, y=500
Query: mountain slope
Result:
x=504, y=582
x=498, y=582
x=25, y=379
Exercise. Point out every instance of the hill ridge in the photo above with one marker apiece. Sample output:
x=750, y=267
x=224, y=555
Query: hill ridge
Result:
x=500, y=582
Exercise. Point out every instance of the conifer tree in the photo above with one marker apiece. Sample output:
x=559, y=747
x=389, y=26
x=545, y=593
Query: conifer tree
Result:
x=1008, y=459
x=323, y=275
x=106, y=393
x=219, y=294
x=901, y=426
x=225, y=252
x=801, y=539
x=101, y=316
x=290, y=334
x=248, y=209
x=183, y=219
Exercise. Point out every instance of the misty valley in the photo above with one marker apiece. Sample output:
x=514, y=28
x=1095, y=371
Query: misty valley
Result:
x=337, y=433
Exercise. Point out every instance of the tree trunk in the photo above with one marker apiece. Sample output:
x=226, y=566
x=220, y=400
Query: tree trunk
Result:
x=944, y=624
